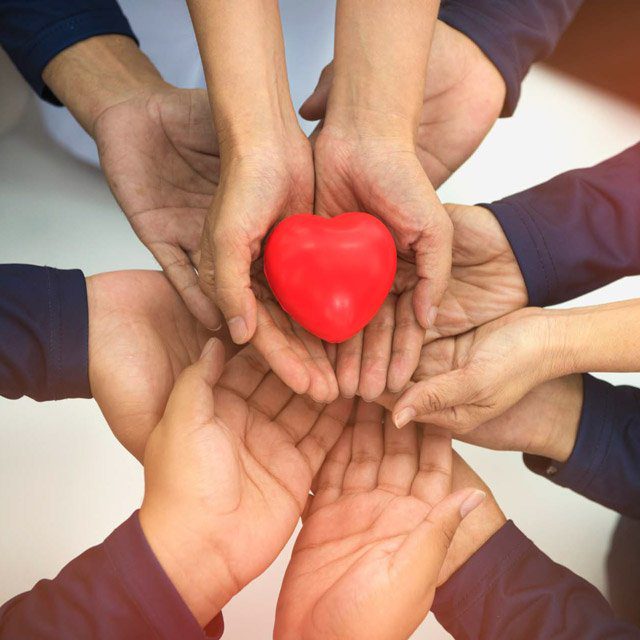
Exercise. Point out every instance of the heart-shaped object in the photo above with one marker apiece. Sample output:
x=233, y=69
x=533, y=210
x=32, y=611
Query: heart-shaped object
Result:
x=331, y=275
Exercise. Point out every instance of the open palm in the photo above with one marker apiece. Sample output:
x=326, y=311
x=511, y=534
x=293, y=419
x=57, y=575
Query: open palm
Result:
x=367, y=560
x=159, y=153
x=252, y=449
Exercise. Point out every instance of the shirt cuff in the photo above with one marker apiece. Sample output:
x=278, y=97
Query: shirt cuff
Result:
x=595, y=431
x=477, y=23
x=478, y=575
x=68, y=359
x=149, y=587
x=50, y=41
x=530, y=249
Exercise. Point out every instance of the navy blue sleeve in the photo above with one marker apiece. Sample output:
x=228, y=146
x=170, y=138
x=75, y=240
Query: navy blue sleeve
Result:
x=577, y=232
x=513, y=34
x=33, y=32
x=44, y=333
x=117, y=589
x=510, y=589
x=605, y=463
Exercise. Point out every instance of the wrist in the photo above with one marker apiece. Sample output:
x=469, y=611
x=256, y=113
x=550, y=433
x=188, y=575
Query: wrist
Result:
x=192, y=568
x=95, y=74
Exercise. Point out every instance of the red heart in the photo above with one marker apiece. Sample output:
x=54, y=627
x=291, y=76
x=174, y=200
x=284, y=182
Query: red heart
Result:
x=331, y=275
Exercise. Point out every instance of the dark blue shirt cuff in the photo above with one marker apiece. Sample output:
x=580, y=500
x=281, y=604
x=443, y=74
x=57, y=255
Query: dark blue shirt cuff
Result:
x=44, y=326
x=510, y=589
x=604, y=465
x=33, y=33
x=513, y=34
x=149, y=587
x=578, y=231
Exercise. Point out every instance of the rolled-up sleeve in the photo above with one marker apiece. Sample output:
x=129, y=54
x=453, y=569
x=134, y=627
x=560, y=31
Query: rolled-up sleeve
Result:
x=33, y=32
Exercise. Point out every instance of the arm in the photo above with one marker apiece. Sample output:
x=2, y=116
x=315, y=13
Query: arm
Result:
x=602, y=460
x=577, y=232
x=33, y=33
x=44, y=329
x=511, y=33
x=117, y=589
x=509, y=585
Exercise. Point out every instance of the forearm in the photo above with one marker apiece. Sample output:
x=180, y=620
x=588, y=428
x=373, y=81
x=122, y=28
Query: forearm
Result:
x=242, y=50
x=512, y=34
x=98, y=73
x=381, y=56
x=578, y=231
x=603, y=459
x=510, y=589
x=114, y=590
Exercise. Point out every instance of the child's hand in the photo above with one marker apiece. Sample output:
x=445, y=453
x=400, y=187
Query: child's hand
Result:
x=375, y=535
x=228, y=471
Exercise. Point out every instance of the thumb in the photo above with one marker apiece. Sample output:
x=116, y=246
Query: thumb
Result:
x=435, y=400
x=422, y=554
x=191, y=400
x=315, y=106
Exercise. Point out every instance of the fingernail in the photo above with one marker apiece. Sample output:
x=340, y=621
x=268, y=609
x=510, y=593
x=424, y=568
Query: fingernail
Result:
x=473, y=501
x=238, y=329
x=432, y=314
x=404, y=417
x=207, y=347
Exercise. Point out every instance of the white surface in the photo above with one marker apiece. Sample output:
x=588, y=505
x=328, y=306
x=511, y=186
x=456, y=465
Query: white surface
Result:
x=64, y=481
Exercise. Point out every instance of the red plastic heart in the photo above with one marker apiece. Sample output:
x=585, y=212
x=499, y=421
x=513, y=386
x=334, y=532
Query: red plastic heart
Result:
x=331, y=275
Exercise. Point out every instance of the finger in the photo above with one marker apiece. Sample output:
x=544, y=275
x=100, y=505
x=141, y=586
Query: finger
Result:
x=332, y=354
x=348, y=365
x=326, y=431
x=327, y=391
x=376, y=351
x=279, y=353
x=367, y=449
x=178, y=268
x=400, y=459
x=407, y=345
x=435, y=399
x=435, y=469
x=433, y=264
x=271, y=396
x=315, y=106
x=331, y=476
x=225, y=275
x=191, y=401
x=422, y=554
x=244, y=372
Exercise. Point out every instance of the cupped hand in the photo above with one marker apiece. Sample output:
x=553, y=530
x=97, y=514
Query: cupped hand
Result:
x=141, y=337
x=228, y=471
x=464, y=95
x=159, y=153
x=256, y=191
x=484, y=372
x=375, y=535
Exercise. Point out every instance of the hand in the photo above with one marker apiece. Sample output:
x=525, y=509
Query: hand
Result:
x=141, y=337
x=464, y=95
x=375, y=535
x=486, y=282
x=477, y=527
x=255, y=193
x=227, y=474
x=484, y=372
x=157, y=149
